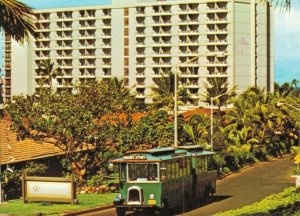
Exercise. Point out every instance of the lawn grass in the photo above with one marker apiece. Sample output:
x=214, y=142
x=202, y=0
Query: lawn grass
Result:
x=286, y=203
x=86, y=201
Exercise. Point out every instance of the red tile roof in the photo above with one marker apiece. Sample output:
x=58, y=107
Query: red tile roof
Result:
x=188, y=114
x=12, y=151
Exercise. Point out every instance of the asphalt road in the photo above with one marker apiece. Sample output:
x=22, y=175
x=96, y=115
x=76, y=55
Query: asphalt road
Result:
x=239, y=189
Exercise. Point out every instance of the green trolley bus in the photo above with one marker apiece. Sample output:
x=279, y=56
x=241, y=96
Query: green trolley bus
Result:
x=164, y=178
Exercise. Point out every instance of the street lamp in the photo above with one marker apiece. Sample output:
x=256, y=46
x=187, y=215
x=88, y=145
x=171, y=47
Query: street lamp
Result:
x=1, y=108
x=296, y=108
x=175, y=100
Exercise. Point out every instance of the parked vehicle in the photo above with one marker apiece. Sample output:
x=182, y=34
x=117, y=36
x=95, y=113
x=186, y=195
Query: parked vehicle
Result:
x=160, y=179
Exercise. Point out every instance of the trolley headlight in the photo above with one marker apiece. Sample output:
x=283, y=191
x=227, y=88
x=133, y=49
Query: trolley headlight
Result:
x=120, y=196
x=151, y=196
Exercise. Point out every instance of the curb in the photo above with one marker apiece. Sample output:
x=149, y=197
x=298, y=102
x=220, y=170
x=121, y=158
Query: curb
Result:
x=88, y=210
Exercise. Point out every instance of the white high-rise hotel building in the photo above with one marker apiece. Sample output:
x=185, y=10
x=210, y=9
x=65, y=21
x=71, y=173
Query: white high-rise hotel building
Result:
x=138, y=40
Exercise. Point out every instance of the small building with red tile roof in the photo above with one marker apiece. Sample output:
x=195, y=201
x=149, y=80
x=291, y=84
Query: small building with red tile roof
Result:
x=14, y=151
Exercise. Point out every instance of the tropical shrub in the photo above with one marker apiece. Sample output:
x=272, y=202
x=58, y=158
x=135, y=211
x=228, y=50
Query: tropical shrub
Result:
x=12, y=178
x=285, y=203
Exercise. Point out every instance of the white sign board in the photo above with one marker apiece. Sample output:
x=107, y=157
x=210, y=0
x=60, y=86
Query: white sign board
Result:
x=48, y=189
x=298, y=181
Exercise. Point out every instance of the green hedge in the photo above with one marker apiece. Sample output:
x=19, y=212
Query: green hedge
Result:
x=286, y=203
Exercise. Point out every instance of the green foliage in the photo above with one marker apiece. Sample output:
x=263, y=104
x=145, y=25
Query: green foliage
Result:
x=218, y=88
x=225, y=170
x=153, y=130
x=163, y=93
x=95, y=180
x=285, y=203
x=218, y=161
x=12, y=179
x=33, y=168
x=17, y=20
x=93, y=120
x=197, y=129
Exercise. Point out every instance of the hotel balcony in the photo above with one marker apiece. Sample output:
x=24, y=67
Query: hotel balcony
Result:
x=140, y=95
x=140, y=75
x=216, y=63
x=161, y=43
x=140, y=44
x=87, y=16
x=188, y=43
x=162, y=33
x=189, y=53
x=217, y=74
x=217, y=20
x=188, y=20
x=105, y=35
x=106, y=65
x=162, y=23
x=140, y=85
x=162, y=53
x=188, y=11
x=217, y=31
x=140, y=64
x=188, y=32
x=106, y=14
x=217, y=42
x=216, y=53
x=140, y=54
x=188, y=74
x=87, y=36
x=64, y=18
x=106, y=45
x=216, y=9
x=41, y=57
x=105, y=26
x=161, y=11
x=87, y=56
x=189, y=64
x=140, y=14
x=87, y=26
x=161, y=64
x=140, y=34
x=140, y=24
x=42, y=48
x=87, y=65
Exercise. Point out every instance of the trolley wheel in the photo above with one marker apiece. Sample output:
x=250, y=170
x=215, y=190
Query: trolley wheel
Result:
x=208, y=193
x=120, y=211
x=187, y=201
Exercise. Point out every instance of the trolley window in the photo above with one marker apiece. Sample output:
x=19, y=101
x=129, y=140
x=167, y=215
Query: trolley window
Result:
x=123, y=172
x=142, y=172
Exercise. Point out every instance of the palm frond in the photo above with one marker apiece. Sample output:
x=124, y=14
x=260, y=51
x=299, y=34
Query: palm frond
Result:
x=17, y=19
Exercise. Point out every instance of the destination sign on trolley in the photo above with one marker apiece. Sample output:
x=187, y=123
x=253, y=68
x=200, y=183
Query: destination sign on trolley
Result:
x=134, y=157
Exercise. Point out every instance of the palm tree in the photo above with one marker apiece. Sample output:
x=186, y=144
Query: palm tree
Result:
x=17, y=19
x=163, y=93
x=218, y=86
x=48, y=72
x=120, y=85
x=197, y=129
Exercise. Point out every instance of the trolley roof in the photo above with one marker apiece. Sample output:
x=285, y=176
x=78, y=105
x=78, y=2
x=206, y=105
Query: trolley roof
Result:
x=160, y=154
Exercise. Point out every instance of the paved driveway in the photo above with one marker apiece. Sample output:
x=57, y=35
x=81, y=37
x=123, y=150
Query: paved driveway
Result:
x=248, y=186
x=245, y=187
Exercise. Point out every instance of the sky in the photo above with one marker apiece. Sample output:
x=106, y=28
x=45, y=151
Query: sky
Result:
x=286, y=34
